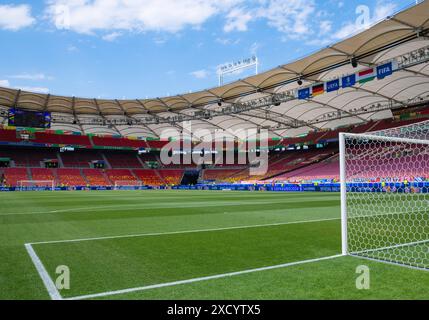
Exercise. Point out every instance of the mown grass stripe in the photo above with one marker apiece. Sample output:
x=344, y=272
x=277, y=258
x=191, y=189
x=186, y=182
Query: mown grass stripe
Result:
x=185, y=232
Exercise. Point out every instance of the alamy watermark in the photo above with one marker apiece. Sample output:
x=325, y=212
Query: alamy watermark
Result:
x=217, y=147
x=363, y=280
x=62, y=282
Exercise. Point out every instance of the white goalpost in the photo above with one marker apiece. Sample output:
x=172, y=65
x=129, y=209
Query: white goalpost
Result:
x=127, y=184
x=385, y=195
x=36, y=184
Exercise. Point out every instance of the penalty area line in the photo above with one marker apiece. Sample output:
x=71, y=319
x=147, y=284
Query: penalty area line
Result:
x=47, y=281
x=185, y=231
x=213, y=277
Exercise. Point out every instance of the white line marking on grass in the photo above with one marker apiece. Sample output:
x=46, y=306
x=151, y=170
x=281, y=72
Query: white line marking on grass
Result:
x=184, y=232
x=143, y=206
x=47, y=281
x=218, y=276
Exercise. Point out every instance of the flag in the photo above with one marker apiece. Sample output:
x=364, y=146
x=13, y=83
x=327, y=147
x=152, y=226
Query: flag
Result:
x=384, y=70
x=333, y=85
x=304, y=93
x=348, y=81
x=318, y=89
x=366, y=75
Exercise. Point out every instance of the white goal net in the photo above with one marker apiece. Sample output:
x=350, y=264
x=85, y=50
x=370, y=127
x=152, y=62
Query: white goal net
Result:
x=127, y=185
x=24, y=185
x=385, y=195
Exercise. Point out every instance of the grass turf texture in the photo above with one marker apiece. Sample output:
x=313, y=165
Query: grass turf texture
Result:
x=120, y=263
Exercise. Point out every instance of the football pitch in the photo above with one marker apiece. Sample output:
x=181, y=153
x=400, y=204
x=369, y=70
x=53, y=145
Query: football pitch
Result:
x=166, y=244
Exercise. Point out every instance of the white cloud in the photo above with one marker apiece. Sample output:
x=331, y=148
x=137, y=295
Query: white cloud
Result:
x=15, y=17
x=33, y=77
x=7, y=84
x=72, y=48
x=34, y=89
x=111, y=36
x=381, y=11
x=319, y=42
x=364, y=19
x=160, y=40
x=227, y=41
x=4, y=83
x=254, y=48
x=200, y=74
x=133, y=15
x=292, y=17
x=325, y=26
x=237, y=20
x=296, y=19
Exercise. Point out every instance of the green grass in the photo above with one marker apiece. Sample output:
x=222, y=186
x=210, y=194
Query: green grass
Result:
x=118, y=263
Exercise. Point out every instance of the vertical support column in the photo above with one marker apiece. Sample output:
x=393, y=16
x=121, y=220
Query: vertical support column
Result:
x=344, y=242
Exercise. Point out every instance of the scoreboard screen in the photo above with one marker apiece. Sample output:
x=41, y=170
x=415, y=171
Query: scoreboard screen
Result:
x=29, y=119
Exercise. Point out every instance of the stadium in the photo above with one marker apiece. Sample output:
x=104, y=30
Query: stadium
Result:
x=287, y=184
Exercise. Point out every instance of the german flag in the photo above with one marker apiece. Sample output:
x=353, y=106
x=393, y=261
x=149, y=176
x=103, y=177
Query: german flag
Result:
x=318, y=89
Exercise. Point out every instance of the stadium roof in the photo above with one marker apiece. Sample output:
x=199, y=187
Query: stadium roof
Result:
x=398, y=35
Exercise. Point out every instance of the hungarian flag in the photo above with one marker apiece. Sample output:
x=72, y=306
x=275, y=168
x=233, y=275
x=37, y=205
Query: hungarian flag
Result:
x=318, y=89
x=366, y=75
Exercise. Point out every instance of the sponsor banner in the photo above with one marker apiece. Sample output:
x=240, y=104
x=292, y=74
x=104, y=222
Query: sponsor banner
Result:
x=333, y=85
x=304, y=93
x=348, y=81
x=384, y=70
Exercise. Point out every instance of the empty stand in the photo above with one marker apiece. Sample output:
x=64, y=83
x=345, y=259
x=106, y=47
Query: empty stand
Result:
x=328, y=169
x=96, y=177
x=123, y=159
x=120, y=175
x=70, y=177
x=149, y=177
x=291, y=165
x=79, y=159
x=43, y=174
x=13, y=175
x=171, y=176
x=28, y=157
x=220, y=175
x=118, y=142
x=62, y=139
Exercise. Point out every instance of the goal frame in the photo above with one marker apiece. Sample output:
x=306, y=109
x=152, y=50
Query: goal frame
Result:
x=343, y=177
x=133, y=184
x=20, y=183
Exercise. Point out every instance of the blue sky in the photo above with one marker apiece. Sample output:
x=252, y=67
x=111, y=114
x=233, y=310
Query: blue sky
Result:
x=150, y=48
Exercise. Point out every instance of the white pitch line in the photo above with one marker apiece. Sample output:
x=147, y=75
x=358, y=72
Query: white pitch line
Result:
x=218, y=276
x=142, y=206
x=47, y=281
x=184, y=232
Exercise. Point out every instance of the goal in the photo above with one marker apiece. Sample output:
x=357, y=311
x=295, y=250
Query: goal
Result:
x=127, y=185
x=385, y=195
x=24, y=185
